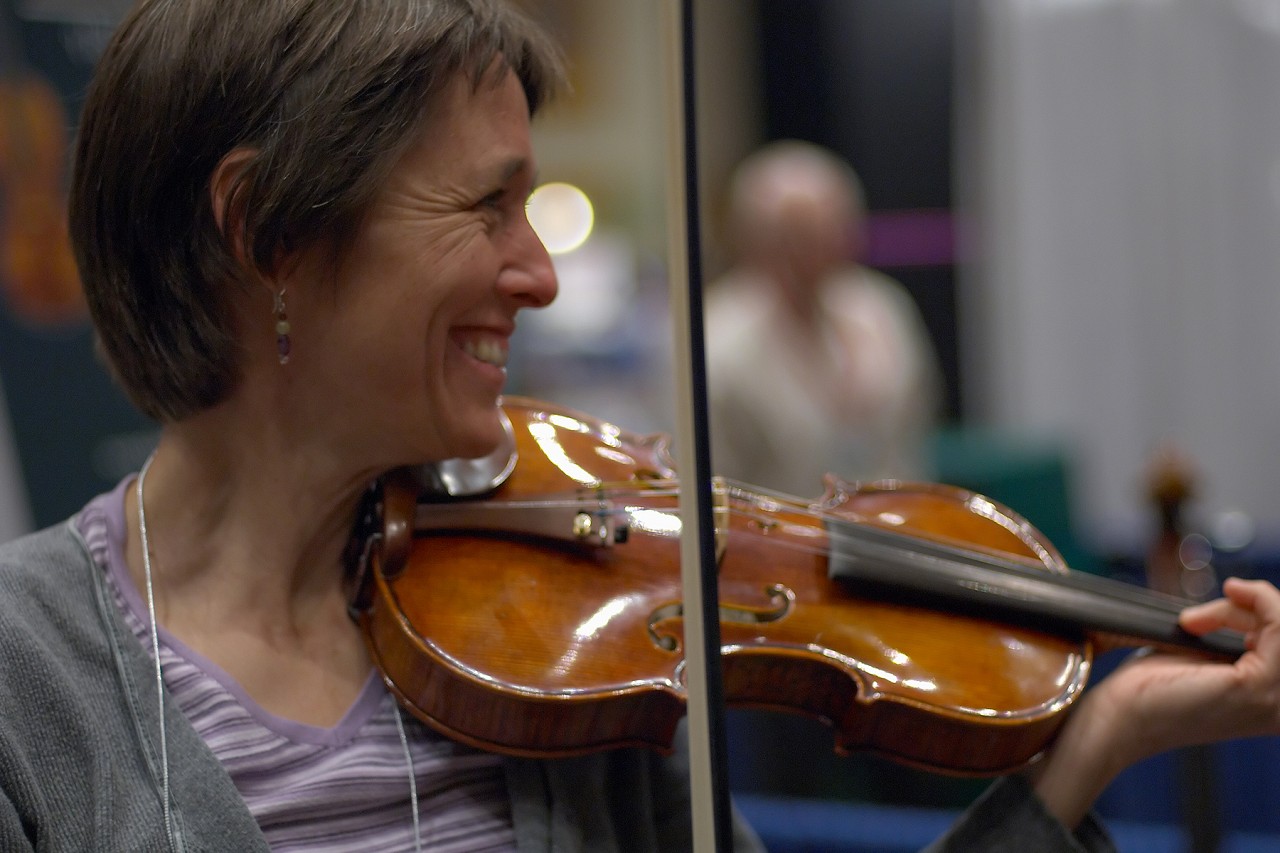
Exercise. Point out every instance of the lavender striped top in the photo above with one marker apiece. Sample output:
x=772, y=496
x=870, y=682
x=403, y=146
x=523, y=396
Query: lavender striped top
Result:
x=311, y=788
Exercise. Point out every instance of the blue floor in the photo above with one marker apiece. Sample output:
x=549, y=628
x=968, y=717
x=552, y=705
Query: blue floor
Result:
x=791, y=825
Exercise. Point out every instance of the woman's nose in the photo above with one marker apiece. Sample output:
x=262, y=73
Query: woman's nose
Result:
x=530, y=277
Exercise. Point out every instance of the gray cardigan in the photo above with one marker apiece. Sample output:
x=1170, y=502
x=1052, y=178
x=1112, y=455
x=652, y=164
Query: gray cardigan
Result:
x=80, y=767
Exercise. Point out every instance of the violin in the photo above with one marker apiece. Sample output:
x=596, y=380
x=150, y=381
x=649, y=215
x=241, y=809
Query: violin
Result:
x=38, y=275
x=530, y=603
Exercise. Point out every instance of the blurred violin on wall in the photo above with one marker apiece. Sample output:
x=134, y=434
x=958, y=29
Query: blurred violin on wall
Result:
x=38, y=276
x=530, y=603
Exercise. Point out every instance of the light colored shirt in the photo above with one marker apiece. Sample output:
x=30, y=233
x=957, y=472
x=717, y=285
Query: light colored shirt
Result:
x=856, y=398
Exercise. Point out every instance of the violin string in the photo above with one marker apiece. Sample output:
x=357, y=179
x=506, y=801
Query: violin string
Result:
x=998, y=564
x=902, y=559
x=762, y=507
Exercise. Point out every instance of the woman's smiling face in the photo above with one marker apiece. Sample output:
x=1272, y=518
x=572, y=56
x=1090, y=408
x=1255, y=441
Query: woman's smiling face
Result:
x=413, y=339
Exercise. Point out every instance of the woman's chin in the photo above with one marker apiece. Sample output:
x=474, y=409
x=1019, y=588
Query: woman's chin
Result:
x=481, y=438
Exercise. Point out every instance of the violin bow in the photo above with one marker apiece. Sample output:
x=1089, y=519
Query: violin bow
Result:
x=708, y=751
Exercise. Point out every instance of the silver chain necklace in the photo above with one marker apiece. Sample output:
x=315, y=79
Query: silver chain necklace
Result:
x=155, y=647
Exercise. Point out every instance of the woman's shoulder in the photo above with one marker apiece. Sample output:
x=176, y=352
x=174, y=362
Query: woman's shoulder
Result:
x=43, y=557
x=45, y=579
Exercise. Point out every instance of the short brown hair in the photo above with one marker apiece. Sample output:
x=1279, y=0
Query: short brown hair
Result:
x=325, y=93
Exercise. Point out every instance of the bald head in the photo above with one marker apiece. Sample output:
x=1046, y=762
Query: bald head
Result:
x=796, y=203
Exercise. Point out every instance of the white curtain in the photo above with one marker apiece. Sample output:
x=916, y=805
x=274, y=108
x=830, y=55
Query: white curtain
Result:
x=1119, y=171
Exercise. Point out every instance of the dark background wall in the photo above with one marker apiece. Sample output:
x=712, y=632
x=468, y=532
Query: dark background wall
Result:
x=76, y=434
x=873, y=81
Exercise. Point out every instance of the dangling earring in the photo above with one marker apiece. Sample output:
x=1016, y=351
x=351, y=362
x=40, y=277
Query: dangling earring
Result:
x=282, y=328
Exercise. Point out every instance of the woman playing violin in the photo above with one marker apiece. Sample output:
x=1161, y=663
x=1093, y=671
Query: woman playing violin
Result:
x=302, y=234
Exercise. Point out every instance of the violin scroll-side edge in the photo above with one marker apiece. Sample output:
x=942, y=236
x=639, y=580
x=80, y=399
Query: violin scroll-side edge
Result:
x=382, y=535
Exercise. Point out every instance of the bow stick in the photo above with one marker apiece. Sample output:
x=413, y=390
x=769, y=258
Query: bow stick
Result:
x=707, y=747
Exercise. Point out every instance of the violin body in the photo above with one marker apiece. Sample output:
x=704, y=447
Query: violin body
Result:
x=546, y=619
x=37, y=268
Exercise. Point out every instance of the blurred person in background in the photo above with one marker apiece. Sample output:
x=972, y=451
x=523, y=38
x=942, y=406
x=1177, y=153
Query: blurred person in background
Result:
x=815, y=363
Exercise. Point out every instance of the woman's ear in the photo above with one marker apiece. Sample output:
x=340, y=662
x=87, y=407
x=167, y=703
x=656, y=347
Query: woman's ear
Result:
x=226, y=196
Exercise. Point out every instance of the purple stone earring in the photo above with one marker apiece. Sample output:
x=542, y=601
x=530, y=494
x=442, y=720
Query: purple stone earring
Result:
x=282, y=329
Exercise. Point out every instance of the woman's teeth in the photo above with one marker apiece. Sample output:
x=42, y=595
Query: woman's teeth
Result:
x=490, y=352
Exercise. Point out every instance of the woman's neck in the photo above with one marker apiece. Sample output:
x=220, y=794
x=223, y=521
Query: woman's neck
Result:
x=246, y=543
